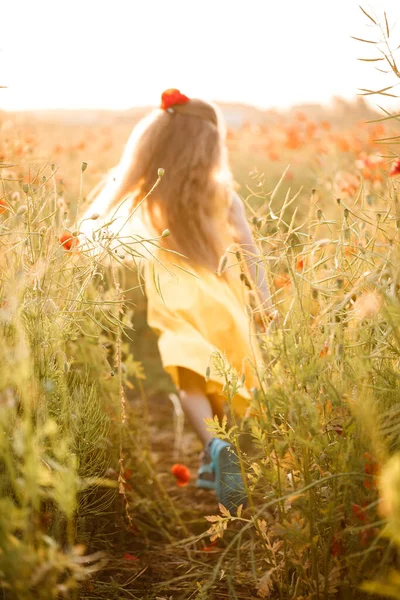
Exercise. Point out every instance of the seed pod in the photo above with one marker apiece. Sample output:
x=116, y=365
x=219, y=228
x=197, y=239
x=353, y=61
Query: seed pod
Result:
x=84, y=167
x=222, y=265
x=245, y=280
x=319, y=214
x=95, y=216
x=166, y=233
x=160, y=173
x=346, y=213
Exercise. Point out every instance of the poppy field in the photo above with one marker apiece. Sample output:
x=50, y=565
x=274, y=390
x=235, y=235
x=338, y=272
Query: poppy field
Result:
x=97, y=468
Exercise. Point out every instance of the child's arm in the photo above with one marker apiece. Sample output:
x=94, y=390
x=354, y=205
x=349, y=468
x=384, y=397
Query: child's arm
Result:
x=251, y=254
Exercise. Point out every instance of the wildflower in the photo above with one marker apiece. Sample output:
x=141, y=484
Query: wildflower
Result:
x=67, y=240
x=171, y=97
x=324, y=350
x=349, y=250
x=3, y=207
x=181, y=473
x=211, y=547
x=336, y=546
x=300, y=264
x=128, y=473
x=359, y=512
x=281, y=280
x=395, y=169
x=273, y=156
x=128, y=556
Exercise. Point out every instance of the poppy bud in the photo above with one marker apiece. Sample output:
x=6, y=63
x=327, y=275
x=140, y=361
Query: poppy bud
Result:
x=166, y=233
x=83, y=167
x=160, y=173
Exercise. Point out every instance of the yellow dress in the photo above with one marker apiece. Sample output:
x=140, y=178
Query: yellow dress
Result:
x=196, y=313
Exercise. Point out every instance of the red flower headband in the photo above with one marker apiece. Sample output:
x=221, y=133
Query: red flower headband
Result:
x=171, y=97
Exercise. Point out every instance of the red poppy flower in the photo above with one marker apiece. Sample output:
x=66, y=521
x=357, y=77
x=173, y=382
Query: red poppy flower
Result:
x=300, y=264
x=211, y=547
x=172, y=97
x=128, y=473
x=395, y=169
x=3, y=207
x=282, y=280
x=181, y=473
x=336, y=546
x=324, y=350
x=67, y=240
x=128, y=556
x=359, y=512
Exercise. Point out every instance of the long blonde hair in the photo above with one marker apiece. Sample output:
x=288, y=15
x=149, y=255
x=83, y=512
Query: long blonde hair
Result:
x=193, y=197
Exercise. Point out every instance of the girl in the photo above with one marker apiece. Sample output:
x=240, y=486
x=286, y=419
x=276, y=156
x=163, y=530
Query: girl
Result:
x=201, y=226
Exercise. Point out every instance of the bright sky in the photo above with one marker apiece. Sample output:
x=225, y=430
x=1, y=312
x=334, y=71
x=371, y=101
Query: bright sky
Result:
x=121, y=53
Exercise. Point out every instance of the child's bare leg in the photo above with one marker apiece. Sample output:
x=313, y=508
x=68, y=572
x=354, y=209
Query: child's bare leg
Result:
x=219, y=467
x=195, y=403
x=217, y=405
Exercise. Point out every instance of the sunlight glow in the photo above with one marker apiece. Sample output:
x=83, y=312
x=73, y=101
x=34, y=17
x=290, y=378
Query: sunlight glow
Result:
x=93, y=54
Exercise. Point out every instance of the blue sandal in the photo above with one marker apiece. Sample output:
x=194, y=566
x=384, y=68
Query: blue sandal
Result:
x=227, y=483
